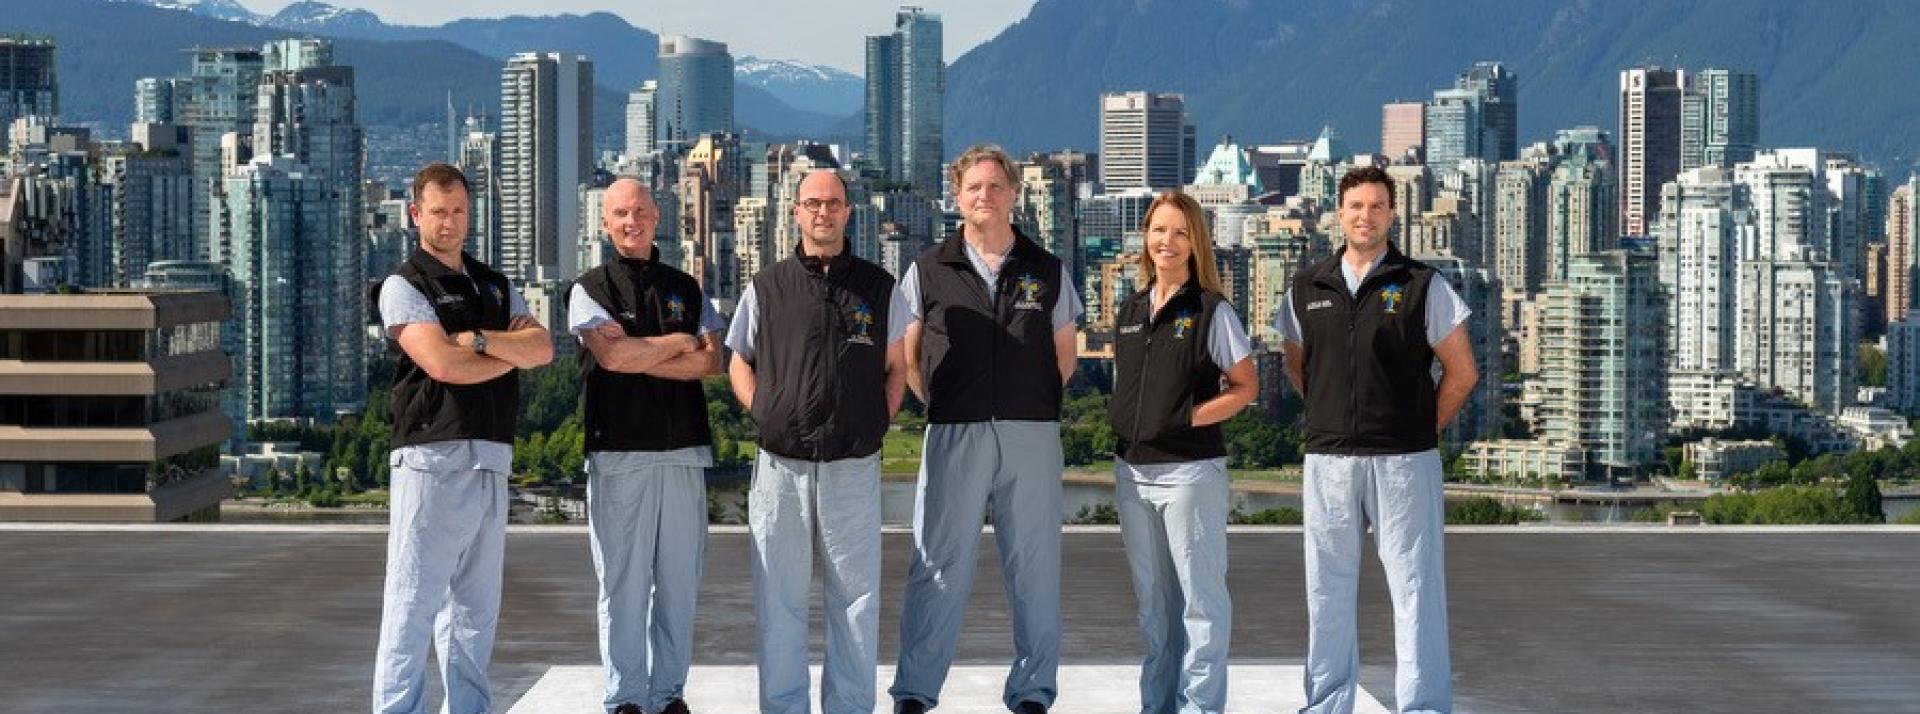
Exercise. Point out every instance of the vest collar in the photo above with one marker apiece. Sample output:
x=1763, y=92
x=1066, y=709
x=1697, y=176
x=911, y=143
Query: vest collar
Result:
x=1329, y=276
x=1143, y=299
x=834, y=265
x=953, y=250
x=653, y=257
x=431, y=267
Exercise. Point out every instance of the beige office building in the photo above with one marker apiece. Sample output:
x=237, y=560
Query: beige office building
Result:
x=110, y=406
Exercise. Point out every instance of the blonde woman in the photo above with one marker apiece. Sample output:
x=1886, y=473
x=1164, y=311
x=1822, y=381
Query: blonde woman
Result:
x=1175, y=343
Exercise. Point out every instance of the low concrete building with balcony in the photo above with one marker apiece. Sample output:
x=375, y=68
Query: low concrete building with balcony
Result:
x=110, y=406
x=1552, y=461
x=1716, y=459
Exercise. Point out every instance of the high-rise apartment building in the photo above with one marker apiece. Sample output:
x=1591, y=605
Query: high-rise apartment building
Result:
x=1146, y=142
x=1604, y=378
x=694, y=94
x=1719, y=118
x=642, y=117
x=299, y=318
x=1402, y=130
x=1649, y=142
x=906, y=90
x=29, y=85
x=546, y=152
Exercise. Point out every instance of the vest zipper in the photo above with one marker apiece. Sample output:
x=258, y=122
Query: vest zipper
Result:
x=1353, y=378
x=1002, y=321
x=1146, y=362
x=828, y=358
x=1353, y=362
x=1140, y=388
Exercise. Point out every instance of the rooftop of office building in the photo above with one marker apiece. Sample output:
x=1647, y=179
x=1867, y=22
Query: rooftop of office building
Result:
x=186, y=618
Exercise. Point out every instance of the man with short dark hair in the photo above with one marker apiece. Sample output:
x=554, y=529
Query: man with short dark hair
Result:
x=648, y=332
x=460, y=333
x=817, y=362
x=989, y=350
x=1362, y=330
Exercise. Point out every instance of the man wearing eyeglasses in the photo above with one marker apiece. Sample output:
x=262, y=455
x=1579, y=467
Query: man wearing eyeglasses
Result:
x=648, y=333
x=817, y=361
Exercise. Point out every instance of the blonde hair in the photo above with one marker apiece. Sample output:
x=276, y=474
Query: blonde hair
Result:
x=1200, y=262
x=978, y=153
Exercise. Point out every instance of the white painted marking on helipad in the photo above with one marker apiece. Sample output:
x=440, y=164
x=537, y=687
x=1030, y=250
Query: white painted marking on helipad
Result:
x=971, y=689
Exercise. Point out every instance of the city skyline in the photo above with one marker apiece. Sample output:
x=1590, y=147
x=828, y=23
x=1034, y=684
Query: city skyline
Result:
x=227, y=355
x=1523, y=222
x=1566, y=86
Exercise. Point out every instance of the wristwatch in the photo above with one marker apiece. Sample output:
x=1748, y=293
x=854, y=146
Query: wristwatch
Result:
x=479, y=342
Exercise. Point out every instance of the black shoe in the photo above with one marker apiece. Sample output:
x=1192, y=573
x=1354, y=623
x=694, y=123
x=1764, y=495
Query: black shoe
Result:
x=909, y=706
x=677, y=706
x=628, y=708
x=1030, y=707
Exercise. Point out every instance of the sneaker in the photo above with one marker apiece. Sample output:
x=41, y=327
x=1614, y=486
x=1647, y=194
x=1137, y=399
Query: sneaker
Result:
x=628, y=708
x=677, y=706
x=909, y=706
x=1030, y=707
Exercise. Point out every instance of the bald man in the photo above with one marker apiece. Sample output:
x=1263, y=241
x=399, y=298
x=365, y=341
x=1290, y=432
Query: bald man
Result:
x=817, y=360
x=648, y=333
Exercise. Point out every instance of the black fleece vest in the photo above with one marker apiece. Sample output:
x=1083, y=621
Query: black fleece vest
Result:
x=820, y=358
x=1369, y=369
x=426, y=410
x=1162, y=370
x=985, y=353
x=641, y=412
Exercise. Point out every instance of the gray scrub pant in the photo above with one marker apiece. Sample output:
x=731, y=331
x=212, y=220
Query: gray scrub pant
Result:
x=445, y=549
x=1176, y=539
x=1400, y=496
x=648, y=534
x=1016, y=467
x=794, y=507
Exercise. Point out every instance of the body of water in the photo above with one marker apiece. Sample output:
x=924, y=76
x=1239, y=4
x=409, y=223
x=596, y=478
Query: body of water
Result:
x=896, y=507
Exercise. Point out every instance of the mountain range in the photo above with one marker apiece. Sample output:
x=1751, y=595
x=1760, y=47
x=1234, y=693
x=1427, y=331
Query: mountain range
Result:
x=404, y=72
x=1833, y=75
x=765, y=97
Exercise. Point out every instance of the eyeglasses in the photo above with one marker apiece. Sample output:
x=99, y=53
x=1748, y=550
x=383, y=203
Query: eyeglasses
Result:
x=816, y=205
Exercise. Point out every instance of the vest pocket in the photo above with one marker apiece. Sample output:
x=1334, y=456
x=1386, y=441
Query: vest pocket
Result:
x=765, y=400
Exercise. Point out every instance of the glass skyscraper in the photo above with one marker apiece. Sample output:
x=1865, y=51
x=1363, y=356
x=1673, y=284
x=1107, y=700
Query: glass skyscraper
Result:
x=906, y=83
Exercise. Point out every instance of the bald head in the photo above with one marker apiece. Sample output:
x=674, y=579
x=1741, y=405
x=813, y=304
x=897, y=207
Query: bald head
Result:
x=629, y=215
x=823, y=183
x=627, y=189
x=821, y=210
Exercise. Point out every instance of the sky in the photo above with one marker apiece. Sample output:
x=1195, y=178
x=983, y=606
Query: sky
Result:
x=829, y=32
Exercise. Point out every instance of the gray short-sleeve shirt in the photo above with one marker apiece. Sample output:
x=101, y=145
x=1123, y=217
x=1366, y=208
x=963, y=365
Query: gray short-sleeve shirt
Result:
x=1066, y=311
x=1445, y=311
x=584, y=313
x=744, y=333
x=402, y=304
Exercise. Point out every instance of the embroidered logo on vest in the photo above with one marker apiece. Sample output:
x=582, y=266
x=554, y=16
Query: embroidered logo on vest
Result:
x=1390, y=298
x=676, y=309
x=1183, y=324
x=862, y=324
x=1027, y=292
